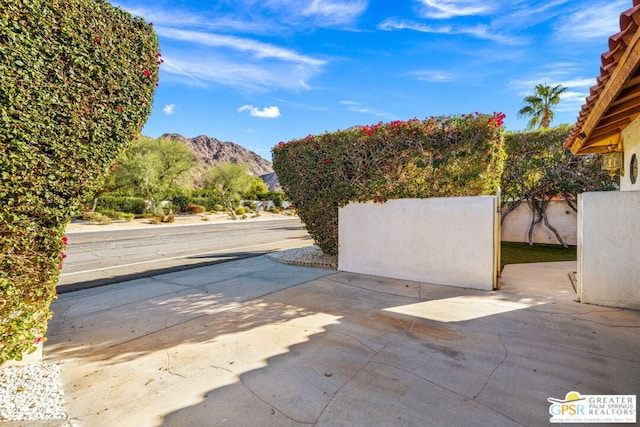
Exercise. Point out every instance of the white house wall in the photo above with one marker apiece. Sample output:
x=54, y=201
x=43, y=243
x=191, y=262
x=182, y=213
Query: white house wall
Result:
x=630, y=145
x=609, y=248
x=448, y=241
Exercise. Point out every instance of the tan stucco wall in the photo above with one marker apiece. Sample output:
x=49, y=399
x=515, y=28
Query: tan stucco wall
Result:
x=447, y=241
x=609, y=248
x=515, y=227
x=630, y=145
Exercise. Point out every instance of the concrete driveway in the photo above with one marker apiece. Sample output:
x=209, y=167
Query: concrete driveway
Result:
x=258, y=343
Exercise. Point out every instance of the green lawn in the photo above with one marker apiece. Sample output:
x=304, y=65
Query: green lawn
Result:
x=518, y=253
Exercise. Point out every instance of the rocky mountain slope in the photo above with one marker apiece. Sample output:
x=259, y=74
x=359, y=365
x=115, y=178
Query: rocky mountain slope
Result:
x=210, y=151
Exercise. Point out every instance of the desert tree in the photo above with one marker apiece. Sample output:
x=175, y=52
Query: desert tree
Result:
x=154, y=169
x=538, y=170
x=229, y=181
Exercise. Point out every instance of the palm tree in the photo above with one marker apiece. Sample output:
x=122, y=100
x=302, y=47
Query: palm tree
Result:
x=538, y=106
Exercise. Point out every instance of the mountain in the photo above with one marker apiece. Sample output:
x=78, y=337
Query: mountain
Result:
x=209, y=151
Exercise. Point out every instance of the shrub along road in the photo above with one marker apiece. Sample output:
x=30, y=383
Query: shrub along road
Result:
x=96, y=258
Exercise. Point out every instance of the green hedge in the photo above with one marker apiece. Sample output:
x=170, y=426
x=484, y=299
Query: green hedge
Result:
x=134, y=205
x=76, y=85
x=439, y=156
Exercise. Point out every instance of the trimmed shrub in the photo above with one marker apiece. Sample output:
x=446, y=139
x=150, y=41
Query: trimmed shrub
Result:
x=194, y=209
x=209, y=204
x=241, y=210
x=439, y=156
x=76, y=85
x=134, y=205
x=181, y=202
x=117, y=215
x=96, y=217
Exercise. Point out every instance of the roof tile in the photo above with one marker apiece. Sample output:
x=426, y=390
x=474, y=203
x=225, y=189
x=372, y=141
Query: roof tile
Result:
x=629, y=23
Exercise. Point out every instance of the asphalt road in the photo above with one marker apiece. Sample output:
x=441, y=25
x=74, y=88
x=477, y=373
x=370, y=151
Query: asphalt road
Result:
x=105, y=257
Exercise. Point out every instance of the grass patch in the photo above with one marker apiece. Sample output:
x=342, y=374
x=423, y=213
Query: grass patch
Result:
x=520, y=253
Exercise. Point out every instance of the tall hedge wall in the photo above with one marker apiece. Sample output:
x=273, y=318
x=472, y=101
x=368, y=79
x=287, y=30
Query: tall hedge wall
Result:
x=76, y=85
x=439, y=156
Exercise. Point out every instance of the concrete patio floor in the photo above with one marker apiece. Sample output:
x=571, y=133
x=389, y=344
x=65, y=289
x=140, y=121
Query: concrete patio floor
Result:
x=258, y=343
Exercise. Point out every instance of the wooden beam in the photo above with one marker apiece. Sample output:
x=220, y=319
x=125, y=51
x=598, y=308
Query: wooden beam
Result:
x=600, y=144
x=635, y=81
x=631, y=93
x=619, y=76
x=606, y=131
x=618, y=113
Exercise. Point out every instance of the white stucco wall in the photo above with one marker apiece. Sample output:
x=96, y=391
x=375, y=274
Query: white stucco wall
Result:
x=515, y=227
x=630, y=146
x=609, y=248
x=448, y=241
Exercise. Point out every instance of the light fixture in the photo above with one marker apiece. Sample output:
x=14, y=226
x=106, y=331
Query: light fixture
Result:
x=611, y=160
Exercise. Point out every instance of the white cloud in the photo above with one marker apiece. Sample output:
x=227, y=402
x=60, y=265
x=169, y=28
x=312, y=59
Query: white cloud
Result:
x=238, y=62
x=257, y=17
x=480, y=31
x=258, y=49
x=169, y=109
x=253, y=76
x=527, y=15
x=319, y=13
x=356, y=107
x=335, y=12
x=437, y=76
x=266, y=113
x=593, y=21
x=442, y=9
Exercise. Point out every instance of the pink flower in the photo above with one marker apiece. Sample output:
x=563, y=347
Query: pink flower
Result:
x=38, y=341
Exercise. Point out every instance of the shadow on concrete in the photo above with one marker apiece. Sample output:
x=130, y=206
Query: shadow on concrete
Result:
x=323, y=348
x=366, y=365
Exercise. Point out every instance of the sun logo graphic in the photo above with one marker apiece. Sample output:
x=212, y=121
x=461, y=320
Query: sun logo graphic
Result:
x=570, y=406
x=577, y=408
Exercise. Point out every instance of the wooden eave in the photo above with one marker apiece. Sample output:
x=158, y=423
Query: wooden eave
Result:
x=614, y=102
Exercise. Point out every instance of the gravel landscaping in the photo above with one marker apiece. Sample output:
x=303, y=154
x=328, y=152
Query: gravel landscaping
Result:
x=31, y=392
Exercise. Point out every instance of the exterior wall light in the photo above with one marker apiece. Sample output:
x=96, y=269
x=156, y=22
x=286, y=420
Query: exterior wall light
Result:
x=612, y=161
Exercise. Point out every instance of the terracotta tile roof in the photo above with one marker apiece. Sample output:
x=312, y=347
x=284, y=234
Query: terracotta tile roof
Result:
x=614, y=101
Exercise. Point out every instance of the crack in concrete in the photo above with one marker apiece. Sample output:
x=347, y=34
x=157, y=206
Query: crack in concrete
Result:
x=506, y=354
x=578, y=317
x=466, y=398
x=257, y=396
x=353, y=338
x=169, y=368
x=333, y=396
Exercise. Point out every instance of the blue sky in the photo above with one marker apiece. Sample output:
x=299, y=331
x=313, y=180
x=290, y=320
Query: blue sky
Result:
x=257, y=72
